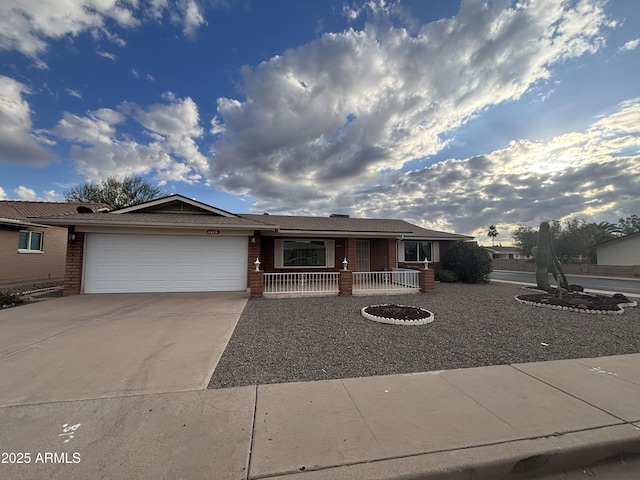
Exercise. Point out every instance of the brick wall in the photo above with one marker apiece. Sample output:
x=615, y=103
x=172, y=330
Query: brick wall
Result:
x=73, y=270
x=352, y=252
x=392, y=253
x=254, y=252
x=27, y=267
x=378, y=252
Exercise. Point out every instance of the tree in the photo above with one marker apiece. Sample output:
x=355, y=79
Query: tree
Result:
x=470, y=262
x=629, y=225
x=493, y=233
x=525, y=238
x=115, y=192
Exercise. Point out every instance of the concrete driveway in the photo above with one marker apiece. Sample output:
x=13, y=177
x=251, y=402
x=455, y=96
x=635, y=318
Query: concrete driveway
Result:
x=96, y=346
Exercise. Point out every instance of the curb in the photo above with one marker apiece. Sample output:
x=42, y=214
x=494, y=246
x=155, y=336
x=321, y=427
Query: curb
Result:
x=517, y=459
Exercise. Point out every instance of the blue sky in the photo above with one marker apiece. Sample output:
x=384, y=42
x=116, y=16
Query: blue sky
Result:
x=452, y=115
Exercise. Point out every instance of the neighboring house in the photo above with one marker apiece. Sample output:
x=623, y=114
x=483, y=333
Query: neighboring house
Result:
x=505, y=252
x=31, y=251
x=619, y=251
x=175, y=244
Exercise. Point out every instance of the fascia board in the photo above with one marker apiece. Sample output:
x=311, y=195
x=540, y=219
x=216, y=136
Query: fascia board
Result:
x=333, y=233
x=20, y=223
x=87, y=222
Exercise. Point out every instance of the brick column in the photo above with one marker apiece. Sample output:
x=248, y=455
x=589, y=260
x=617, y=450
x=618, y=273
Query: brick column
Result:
x=345, y=283
x=256, y=284
x=73, y=266
x=352, y=253
x=253, y=250
x=427, y=280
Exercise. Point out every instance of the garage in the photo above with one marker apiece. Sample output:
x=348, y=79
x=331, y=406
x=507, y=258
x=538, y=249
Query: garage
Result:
x=119, y=263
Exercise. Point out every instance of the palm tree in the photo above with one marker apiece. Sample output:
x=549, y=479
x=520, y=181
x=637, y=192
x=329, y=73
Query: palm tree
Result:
x=493, y=233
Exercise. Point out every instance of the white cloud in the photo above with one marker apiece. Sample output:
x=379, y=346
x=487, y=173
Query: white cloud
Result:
x=17, y=141
x=337, y=111
x=581, y=174
x=53, y=196
x=108, y=55
x=98, y=127
x=74, y=93
x=629, y=46
x=28, y=26
x=29, y=194
x=25, y=193
x=190, y=17
x=165, y=144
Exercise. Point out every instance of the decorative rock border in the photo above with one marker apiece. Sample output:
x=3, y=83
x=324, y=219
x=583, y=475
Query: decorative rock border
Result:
x=575, y=309
x=396, y=321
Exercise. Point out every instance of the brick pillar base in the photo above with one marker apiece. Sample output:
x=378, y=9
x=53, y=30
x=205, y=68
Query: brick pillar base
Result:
x=256, y=283
x=73, y=266
x=345, y=283
x=427, y=280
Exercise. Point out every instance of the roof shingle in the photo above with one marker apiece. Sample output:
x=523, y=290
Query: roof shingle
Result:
x=21, y=210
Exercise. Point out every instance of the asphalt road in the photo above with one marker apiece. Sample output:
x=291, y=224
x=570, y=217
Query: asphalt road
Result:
x=629, y=287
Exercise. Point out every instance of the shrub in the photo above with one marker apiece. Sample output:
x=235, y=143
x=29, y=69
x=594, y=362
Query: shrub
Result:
x=7, y=300
x=470, y=262
x=446, y=276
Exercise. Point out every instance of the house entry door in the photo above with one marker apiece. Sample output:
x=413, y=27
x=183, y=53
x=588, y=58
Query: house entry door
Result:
x=363, y=255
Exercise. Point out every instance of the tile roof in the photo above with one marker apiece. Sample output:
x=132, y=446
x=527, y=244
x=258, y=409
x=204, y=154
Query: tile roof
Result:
x=355, y=225
x=283, y=224
x=151, y=219
x=21, y=210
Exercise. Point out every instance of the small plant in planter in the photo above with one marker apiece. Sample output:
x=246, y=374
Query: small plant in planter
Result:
x=7, y=300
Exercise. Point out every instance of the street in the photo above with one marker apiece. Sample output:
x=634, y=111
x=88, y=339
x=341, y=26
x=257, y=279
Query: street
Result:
x=630, y=287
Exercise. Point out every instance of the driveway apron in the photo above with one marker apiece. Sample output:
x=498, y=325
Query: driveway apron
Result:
x=95, y=346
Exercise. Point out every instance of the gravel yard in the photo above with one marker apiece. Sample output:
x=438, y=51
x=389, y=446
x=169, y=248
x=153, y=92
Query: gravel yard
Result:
x=306, y=339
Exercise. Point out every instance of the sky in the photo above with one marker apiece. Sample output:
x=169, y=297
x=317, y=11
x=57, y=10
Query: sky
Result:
x=451, y=115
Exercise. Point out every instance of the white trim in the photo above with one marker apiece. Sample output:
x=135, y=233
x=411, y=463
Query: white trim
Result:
x=435, y=250
x=278, y=254
x=31, y=250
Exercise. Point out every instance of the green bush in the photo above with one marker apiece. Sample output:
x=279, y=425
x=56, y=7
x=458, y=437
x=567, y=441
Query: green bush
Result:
x=446, y=276
x=7, y=300
x=470, y=262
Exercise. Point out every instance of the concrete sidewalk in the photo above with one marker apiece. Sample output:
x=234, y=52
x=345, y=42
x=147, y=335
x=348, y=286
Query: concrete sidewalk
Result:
x=509, y=421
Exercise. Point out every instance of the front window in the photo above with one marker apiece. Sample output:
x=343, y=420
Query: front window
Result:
x=30, y=241
x=304, y=253
x=415, y=251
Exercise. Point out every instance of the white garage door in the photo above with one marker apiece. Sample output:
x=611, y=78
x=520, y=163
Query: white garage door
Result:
x=117, y=263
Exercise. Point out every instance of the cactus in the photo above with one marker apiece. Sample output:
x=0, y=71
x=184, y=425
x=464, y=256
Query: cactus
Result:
x=542, y=252
x=546, y=261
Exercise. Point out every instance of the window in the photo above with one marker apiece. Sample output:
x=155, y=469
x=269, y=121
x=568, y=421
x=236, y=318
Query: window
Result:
x=417, y=251
x=30, y=241
x=299, y=253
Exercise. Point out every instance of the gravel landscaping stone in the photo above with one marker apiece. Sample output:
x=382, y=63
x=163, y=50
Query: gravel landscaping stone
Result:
x=320, y=338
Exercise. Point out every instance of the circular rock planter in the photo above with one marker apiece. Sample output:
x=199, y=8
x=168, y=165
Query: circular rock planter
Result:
x=397, y=314
x=577, y=301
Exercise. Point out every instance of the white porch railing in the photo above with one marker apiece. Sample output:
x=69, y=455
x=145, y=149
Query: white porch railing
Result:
x=299, y=283
x=384, y=281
